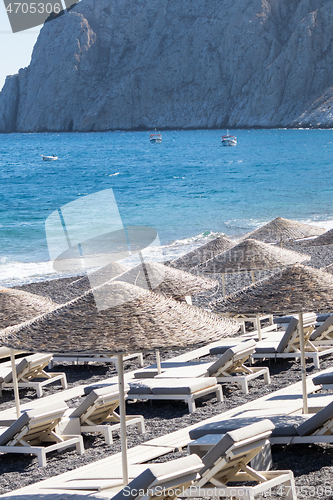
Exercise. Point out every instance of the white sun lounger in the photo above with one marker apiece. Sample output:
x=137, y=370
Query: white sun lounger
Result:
x=147, y=481
x=194, y=477
x=227, y=368
x=228, y=462
x=97, y=413
x=5, y=352
x=29, y=370
x=289, y=429
x=34, y=433
x=323, y=334
x=77, y=358
x=287, y=345
x=184, y=389
x=325, y=380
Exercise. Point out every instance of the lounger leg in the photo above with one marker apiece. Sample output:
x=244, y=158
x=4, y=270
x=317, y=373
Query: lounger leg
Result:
x=41, y=456
x=80, y=446
x=245, y=386
x=248, y=495
x=140, y=358
x=191, y=404
x=290, y=488
x=316, y=361
x=267, y=377
x=39, y=390
x=108, y=435
x=64, y=382
x=141, y=425
x=219, y=394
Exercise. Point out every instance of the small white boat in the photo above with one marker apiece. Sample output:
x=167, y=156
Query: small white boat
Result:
x=228, y=140
x=49, y=158
x=155, y=138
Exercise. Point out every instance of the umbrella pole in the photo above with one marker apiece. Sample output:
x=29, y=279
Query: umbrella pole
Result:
x=253, y=277
x=158, y=361
x=123, y=437
x=303, y=367
x=223, y=284
x=15, y=384
x=258, y=327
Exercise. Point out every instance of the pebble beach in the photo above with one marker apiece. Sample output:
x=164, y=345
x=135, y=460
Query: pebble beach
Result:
x=311, y=464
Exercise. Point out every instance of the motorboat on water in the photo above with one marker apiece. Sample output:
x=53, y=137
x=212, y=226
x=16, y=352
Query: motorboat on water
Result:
x=155, y=138
x=228, y=140
x=49, y=158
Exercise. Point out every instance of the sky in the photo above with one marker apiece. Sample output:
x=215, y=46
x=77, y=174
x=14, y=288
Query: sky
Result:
x=15, y=48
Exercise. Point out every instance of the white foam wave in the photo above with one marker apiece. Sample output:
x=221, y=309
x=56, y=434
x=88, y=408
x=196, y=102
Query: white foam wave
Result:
x=325, y=224
x=15, y=273
x=113, y=175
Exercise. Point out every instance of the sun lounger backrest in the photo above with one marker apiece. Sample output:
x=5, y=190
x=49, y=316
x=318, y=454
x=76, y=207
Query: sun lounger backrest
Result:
x=184, y=469
x=37, y=422
x=313, y=423
x=254, y=431
x=28, y=362
x=322, y=328
x=107, y=399
x=292, y=325
x=230, y=353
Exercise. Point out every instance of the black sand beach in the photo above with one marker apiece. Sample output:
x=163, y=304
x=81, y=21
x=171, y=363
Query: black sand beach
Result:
x=312, y=464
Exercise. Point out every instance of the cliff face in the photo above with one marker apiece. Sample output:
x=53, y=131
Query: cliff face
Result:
x=122, y=64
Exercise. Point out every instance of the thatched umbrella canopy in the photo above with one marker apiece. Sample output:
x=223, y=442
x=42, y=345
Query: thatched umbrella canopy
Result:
x=17, y=306
x=166, y=280
x=202, y=253
x=62, y=290
x=57, y=290
x=96, y=278
x=295, y=289
x=279, y=230
x=324, y=239
x=251, y=255
x=133, y=320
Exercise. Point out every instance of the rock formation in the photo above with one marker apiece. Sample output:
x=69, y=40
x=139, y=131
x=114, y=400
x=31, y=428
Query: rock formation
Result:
x=126, y=64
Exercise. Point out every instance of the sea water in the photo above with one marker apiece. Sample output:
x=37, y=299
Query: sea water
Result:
x=189, y=188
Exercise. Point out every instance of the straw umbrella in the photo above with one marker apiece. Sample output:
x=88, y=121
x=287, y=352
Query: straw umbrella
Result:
x=132, y=319
x=280, y=230
x=202, y=253
x=251, y=255
x=324, y=239
x=167, y=281
x=295, y=289
x=17, y=306
x=61, y=290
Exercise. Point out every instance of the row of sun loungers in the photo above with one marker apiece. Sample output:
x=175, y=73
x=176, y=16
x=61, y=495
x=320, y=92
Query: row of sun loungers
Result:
x=29, y=371
x=41, y=431
x=215, y=469
x=192, y=476
x=232, y=443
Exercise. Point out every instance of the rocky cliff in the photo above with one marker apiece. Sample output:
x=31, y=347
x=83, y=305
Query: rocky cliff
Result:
x=124, y=64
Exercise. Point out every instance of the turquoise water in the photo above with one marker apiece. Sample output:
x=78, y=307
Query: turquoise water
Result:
x=186, y=186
